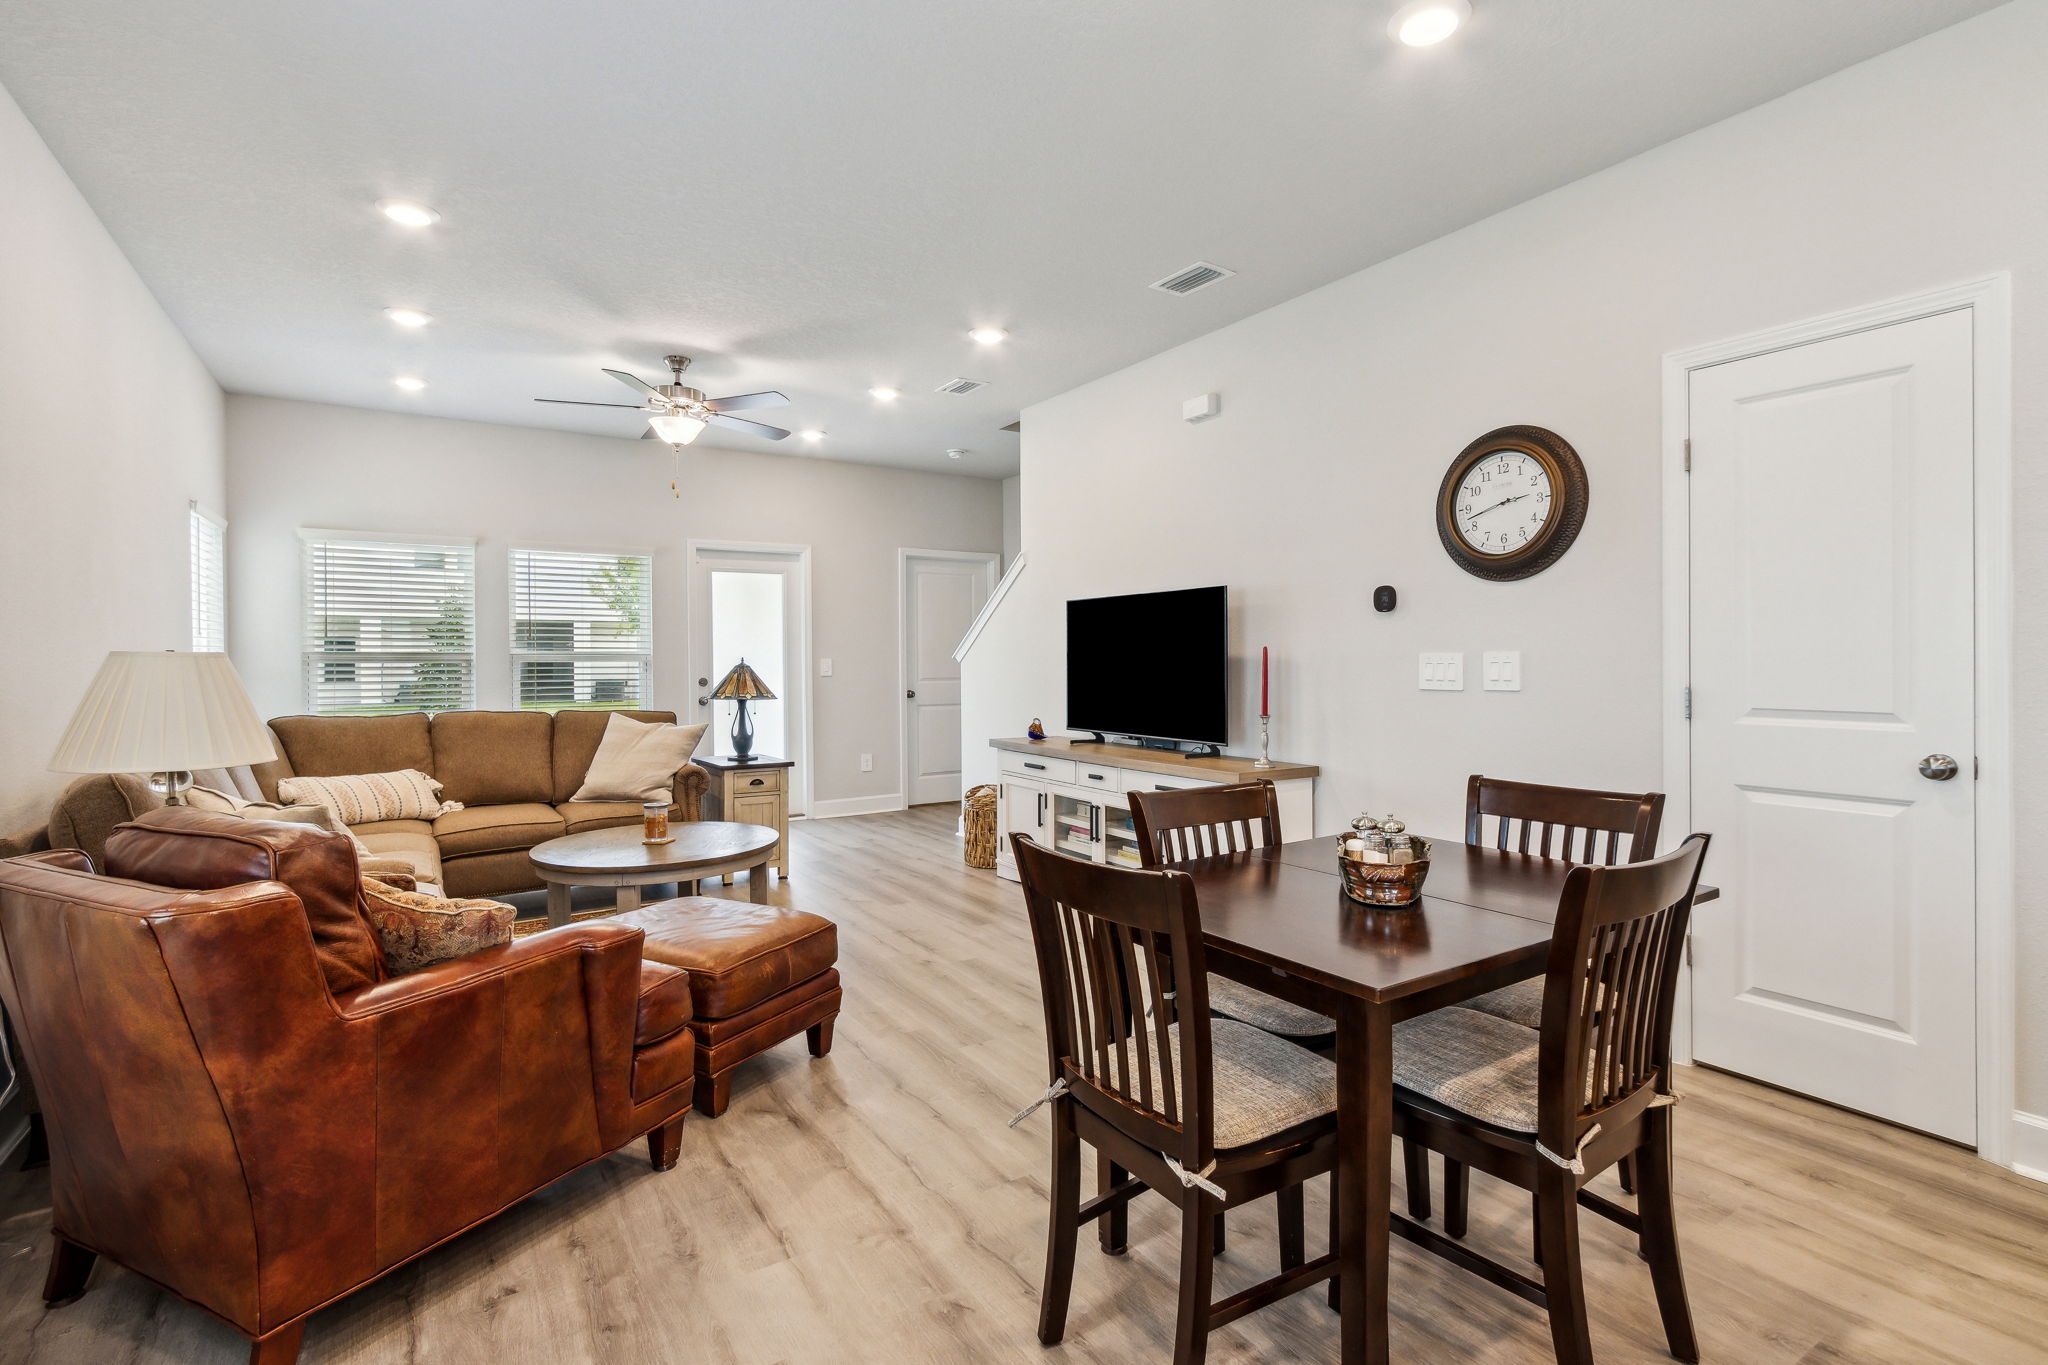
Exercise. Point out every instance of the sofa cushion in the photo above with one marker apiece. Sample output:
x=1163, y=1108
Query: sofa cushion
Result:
x=494, y=758
x=737, y=953
x=577, y=735
x=578, y=816
x=496, y=829
x=197, y=851
x=664, y=1003
x=417, y=851
x=334, y=746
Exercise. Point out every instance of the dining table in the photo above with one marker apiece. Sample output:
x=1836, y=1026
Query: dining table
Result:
x=1277, y=919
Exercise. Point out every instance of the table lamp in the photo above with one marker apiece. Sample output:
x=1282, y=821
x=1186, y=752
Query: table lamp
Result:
x=164, y=714
x=742, y=685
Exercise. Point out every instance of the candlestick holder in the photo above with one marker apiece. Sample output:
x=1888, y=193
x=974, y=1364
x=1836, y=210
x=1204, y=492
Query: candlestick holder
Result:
x=1265, y=743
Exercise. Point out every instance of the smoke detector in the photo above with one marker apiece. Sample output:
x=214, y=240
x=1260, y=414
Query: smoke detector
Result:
x=955, y=453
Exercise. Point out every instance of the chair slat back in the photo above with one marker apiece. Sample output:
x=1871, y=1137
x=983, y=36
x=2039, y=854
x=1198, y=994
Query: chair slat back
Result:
x=1611, y=987
x=1121, y=971
x=1563, y=822
x=1205, y=822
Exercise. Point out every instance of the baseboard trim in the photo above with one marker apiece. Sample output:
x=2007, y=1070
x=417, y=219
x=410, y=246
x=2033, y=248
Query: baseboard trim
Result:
x=2030, y=1145
x=857, y=805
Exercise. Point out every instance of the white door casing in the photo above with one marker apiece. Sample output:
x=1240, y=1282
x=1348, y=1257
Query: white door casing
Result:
x=1831, y=650
x=788, y=567
x=942, y=594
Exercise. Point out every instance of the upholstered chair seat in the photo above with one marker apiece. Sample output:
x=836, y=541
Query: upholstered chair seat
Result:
x=1249, y=1005
x=1479, y=1064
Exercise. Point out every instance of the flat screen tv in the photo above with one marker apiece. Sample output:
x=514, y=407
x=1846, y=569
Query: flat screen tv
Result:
x=1150, y=665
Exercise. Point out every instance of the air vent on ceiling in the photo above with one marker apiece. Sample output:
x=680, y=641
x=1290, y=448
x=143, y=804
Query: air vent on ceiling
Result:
x=1197, y=276
x=962, y=385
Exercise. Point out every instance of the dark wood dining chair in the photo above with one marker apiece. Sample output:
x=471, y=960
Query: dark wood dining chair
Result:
x=1215, y=822
x=1548, y=1109
x=1552, y=822
x=1210, y=1113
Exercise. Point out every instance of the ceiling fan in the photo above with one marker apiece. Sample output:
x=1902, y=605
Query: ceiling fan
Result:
x=679, y=412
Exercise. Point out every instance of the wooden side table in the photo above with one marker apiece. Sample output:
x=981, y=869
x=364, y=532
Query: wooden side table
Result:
x=752, y=793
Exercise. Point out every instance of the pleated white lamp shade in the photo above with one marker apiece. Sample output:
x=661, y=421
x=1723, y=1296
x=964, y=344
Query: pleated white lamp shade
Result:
x=164, y=712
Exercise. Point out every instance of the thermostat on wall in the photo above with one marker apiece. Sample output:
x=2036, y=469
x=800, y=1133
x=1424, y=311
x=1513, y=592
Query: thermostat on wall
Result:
x=1201, y=409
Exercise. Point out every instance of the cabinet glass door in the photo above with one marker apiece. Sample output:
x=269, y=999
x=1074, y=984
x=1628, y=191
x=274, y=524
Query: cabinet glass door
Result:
x=1119, y=838
x=1074, y=826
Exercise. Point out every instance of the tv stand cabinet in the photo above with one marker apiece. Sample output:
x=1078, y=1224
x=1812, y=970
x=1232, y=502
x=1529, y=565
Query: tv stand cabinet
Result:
x=1073, y=795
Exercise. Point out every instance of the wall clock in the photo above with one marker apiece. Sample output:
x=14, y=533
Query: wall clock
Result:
x=1512, y=503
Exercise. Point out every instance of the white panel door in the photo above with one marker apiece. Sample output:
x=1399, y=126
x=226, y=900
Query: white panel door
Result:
x=941, y=597
x=1831, y=653
x=749, y=604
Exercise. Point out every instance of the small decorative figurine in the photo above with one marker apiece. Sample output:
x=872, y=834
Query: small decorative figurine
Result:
x=1037, y=730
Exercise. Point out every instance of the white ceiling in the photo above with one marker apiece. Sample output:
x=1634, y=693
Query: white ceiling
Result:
x=820, y=196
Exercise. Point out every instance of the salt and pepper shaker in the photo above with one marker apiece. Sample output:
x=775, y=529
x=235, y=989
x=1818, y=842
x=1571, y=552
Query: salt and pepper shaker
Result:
x=1374, y=840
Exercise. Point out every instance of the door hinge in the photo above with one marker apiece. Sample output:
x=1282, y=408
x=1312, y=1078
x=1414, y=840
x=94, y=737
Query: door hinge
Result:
x=1688, y=950
x=1976, y=769
x=1688, y=454
x=1688, y=701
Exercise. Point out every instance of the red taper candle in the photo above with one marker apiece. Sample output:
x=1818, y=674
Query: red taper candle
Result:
x=1265, y=667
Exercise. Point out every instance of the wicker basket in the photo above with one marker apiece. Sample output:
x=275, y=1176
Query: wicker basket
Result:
x=980, y=818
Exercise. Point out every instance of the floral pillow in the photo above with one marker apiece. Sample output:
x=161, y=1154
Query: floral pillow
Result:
x=417, y=931
x=408, y=794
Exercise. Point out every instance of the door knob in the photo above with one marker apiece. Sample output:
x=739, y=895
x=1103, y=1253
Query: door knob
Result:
x=911, y=693
x=1938, y=767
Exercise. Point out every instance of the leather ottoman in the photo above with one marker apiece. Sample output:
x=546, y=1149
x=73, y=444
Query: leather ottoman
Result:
x=759, y=974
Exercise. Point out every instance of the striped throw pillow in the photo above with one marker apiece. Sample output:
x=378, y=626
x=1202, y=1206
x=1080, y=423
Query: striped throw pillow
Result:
x=405, y=795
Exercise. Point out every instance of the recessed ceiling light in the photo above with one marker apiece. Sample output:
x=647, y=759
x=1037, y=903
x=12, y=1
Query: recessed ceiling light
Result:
x=1428, y=22
x=955, y=453
x=408, y=317
x=885, y=393
x=988, y=336
x=812, y=434
x=411, y=383
x=407, y=214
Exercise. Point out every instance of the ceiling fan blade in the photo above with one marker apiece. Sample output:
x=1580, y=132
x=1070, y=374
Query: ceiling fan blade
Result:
x=579, y=403
x=752, y=428
x=741, y=402
x=630, y=382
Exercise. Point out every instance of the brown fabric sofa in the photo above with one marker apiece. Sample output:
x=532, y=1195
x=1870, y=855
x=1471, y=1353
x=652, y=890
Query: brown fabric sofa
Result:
x=246, y=1110
x=513, y=771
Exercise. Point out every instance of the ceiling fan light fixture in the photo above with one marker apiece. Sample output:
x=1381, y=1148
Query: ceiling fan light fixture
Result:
x=677, y=428
x=407, y=214
x=1425, y=23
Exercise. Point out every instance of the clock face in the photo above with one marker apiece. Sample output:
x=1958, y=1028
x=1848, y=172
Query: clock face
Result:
x=1503, y=502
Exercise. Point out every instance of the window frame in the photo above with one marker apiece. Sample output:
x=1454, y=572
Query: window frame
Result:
x=324, y=666
x=522, y=654
x=205, y=531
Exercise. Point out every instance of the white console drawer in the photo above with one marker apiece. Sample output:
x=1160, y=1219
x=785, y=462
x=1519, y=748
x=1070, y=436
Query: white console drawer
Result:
x=1040, y=769
x=1095, y=777
x=1136, y=781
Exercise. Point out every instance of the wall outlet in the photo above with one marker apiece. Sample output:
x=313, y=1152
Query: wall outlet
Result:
x=1503, y=670
x=867, y=763
x=824, y=668
x=1443, y=673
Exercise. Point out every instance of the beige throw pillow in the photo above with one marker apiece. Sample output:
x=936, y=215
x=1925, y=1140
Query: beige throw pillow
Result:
x=637, y=760
x=404, y=795
x=227, y=803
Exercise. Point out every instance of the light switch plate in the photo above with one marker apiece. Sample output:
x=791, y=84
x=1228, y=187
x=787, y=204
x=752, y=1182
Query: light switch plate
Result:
x=1443, y=672
x=1503, y=670
x=824, y=668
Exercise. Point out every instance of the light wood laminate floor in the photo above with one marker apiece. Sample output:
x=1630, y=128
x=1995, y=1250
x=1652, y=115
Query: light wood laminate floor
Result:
x=873, y=1207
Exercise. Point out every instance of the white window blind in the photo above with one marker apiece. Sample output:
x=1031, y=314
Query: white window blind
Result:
x=209, y=584
x=582, y=630
x=390, y=625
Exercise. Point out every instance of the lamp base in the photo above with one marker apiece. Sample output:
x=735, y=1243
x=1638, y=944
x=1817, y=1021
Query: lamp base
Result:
x=743, y=735
x=171, y=786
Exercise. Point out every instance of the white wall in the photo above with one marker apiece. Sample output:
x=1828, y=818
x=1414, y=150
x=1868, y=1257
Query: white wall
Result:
x=109, y=428
x=1013, y=526
x=1342, y=408
x=295, y=464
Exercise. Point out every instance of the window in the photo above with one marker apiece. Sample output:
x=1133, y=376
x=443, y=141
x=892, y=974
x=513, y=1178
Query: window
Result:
x=582, y=630
x=390, y=625
x=209, y=583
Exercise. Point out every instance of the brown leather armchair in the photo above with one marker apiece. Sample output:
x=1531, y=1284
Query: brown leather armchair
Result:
x=245, y=1109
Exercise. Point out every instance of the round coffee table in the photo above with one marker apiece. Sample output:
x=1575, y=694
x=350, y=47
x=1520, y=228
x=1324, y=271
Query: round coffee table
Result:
x=617, y=857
